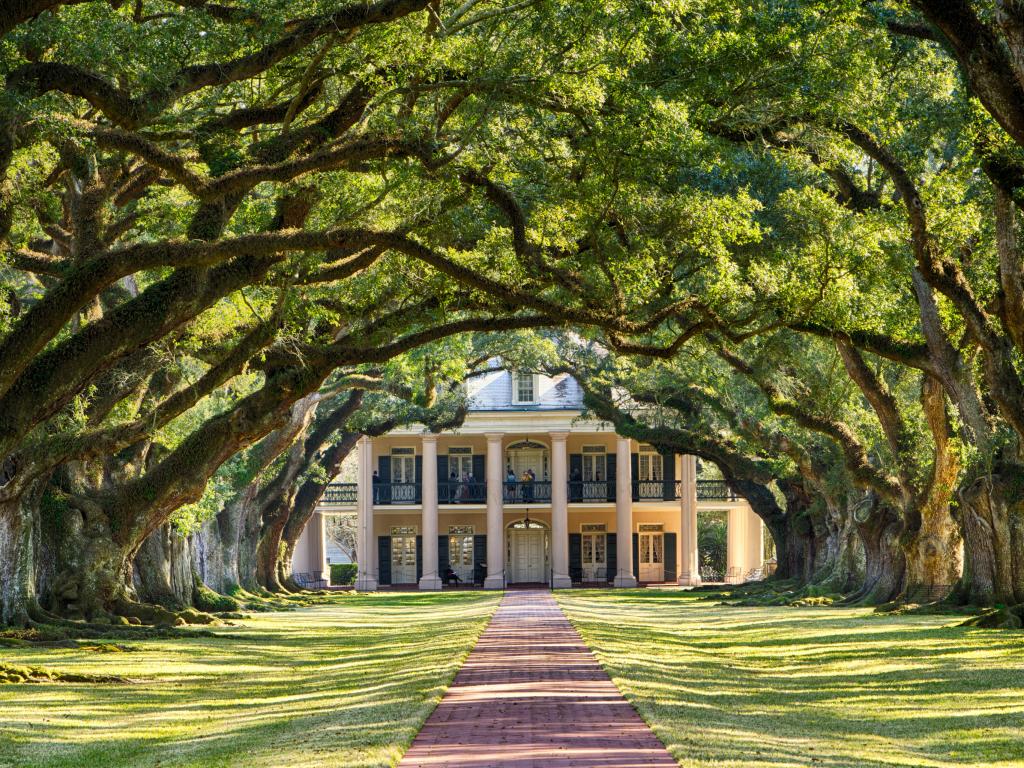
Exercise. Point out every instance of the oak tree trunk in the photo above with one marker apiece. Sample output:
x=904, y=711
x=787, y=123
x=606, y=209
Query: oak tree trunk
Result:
x=992, y=520
x=884, y=561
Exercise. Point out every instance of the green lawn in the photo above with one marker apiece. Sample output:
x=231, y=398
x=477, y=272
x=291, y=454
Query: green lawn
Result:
x=744, y=687
x=344, y=684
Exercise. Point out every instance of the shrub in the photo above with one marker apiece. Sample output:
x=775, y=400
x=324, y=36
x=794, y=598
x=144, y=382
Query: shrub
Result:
x=343, y=574
x=712, y=545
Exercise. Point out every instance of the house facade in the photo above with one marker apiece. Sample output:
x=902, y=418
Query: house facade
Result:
x=527, y=491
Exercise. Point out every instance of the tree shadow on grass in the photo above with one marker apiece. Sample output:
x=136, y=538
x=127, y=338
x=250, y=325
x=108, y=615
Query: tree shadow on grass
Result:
x=347, y=683
x=786, y=686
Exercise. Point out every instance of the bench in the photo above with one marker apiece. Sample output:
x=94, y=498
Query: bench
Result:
x=307, y=581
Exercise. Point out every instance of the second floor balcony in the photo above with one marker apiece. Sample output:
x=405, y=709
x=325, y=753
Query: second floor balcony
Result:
x=524, y=492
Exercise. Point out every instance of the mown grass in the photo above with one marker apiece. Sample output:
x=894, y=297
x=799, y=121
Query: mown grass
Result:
x=780, y=686
x=347, y=684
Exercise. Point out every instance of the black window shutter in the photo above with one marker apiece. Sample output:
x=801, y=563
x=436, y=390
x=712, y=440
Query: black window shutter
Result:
x=636, y=556
x=444, y=493
x=670, y=557
x=613, y=555
x=634, y=474
x=419, y=479
x=610, y=468
x=419, y=558
x=477, y=490
x=384, y=474
x=575, y=471
x=668, y=461
x=442, y=556
x=384, y=559
x=479, y=557
x=576, y=556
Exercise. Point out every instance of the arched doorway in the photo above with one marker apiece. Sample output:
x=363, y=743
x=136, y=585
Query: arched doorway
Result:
x=528, y=543
x=526, y=455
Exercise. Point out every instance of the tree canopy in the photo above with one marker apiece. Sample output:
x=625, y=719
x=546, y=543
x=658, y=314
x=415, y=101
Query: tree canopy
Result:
x=238, y=235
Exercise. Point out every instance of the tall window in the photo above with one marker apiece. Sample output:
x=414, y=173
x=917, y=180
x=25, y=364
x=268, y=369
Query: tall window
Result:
x=460, y=463
x=651, y=465
x=523, y=389
x=594, y=463
x=403, y=465
x=403, y=475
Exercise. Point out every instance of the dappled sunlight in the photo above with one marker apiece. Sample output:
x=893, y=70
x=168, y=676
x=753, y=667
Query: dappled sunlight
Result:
x=787, y=686
x=347, y=683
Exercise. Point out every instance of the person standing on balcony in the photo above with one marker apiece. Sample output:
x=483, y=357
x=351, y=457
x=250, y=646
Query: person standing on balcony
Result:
x=528, y=478
x=376, y=487
x=510, y=484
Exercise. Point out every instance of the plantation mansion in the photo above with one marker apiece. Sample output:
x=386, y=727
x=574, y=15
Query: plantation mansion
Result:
x=527, y=491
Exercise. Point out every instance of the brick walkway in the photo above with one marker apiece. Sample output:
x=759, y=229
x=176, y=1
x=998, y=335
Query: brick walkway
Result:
x=531, y=695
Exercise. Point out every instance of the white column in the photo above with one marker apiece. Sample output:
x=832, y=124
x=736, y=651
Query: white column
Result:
x=689, y=557
x=430, y=579
x=560, y=511
x=623, y=514
x=366, y=576
x=318, y=547
x=735, y=545
x=755, y=540
x=495, y=515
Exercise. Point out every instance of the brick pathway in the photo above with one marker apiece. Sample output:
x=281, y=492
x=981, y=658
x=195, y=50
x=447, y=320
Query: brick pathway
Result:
x=531, y=695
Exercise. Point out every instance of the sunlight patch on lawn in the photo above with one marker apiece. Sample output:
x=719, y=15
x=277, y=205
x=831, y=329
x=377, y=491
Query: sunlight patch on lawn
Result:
x=347, y=684
x=778, y=686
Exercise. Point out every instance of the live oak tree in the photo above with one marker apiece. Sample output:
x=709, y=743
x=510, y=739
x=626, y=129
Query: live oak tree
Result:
x=215, y=239
x=279, y=198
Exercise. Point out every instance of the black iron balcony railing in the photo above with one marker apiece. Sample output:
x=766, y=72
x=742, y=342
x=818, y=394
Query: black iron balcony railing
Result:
x=462, y=492
x=341, y=494
x=519, y=492
x=591, y=490
x=715, y=490
x=526, y=492
x=664, y=490
x=397, y=493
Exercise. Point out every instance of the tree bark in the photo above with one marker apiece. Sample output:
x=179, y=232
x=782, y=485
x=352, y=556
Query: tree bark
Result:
x=164, y=569
x=884, y=560
x=795, y=555
x=931, y=541
x=17, y=560
x=842, y=568
x=992, y=519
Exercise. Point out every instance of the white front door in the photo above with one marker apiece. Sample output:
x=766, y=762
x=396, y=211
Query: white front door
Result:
x=527, y=556
x=460, y=555
x=652, y=557
x=595, y=557
x=403, y=559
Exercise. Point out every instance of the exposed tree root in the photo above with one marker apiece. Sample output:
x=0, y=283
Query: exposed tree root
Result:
x=147, y=613
x=206, y=599
x=1009, y=617
x=11, y=673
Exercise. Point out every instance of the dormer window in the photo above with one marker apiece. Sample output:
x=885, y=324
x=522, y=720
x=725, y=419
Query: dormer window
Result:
x=524, y=389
